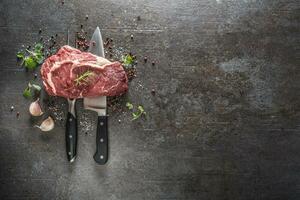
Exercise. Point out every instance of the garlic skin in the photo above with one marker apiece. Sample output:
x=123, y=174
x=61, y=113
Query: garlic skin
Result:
x=35, y=108
x=47, y=124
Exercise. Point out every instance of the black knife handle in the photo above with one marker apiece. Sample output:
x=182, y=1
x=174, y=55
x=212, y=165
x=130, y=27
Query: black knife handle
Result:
x=71, y=137
x=101, y=154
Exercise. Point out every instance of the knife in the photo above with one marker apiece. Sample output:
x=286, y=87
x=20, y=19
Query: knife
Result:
x=98, y=104
x=71, y=127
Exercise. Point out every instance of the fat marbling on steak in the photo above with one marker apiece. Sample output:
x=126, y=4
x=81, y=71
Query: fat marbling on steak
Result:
x=71, y=73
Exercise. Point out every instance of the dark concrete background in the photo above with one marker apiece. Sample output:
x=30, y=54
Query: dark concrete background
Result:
x=224, y=123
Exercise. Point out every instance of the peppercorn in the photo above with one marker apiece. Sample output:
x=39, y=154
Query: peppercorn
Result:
x=145, y=59
x=40, y=31
x=35, y=75
x=139, y=18
x=12, y=108
x=153, y=63
x=153, y=91
x=86, y=17
x=81, y=25
x=18, y=114
x=131, y=36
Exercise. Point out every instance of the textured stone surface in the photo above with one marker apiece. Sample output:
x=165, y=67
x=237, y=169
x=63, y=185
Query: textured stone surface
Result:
x=224, y=123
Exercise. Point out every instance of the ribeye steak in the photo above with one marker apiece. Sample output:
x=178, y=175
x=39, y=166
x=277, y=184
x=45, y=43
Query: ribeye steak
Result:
x=71, y=73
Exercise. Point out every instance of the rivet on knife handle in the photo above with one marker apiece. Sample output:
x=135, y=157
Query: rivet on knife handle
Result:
x=101, y=155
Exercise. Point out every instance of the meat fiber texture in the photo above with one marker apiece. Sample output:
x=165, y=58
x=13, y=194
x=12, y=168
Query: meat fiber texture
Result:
x=60, y=73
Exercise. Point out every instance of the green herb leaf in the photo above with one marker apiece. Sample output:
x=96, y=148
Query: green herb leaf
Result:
x=36, y=87
x=83, y=78
x=30, y=63
x=135, y=116
x=127, y=60
x=139, y=113
x=20, y=55
x=129, y=105
x=39, y=58
x=141, y=109
x=38, y=47
x=27, y=93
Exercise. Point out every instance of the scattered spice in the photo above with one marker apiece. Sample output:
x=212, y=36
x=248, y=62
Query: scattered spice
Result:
x=81, y=42
x=115, y=104
x=153, y=91
x=131, y=73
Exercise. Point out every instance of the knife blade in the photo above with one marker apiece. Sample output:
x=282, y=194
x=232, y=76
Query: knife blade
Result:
x=99, y=104
x=71, y=126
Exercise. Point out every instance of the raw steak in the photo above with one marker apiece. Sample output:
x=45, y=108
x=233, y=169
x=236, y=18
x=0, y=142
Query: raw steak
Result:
x=71, y=73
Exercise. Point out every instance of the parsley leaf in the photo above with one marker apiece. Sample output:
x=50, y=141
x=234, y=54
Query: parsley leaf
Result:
x=30, y=63
x=31, y=89
x=138, y=113
x=38, y=48
x=27, y=93
x=39, y=58
x=35, y=86
x=31, y=59
x=20, y=55
x=127, y=60
x=129, y=105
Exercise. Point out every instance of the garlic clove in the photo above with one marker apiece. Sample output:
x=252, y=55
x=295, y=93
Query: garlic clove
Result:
x=35, y=108
x=47, y=124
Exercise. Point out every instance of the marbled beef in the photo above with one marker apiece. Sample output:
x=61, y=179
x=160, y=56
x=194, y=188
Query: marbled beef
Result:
x=71, y=73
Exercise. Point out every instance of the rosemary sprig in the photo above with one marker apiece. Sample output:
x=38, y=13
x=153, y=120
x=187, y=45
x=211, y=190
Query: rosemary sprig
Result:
x=83, y=78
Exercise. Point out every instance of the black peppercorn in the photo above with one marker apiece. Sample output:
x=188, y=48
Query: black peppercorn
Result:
x=153, y=91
